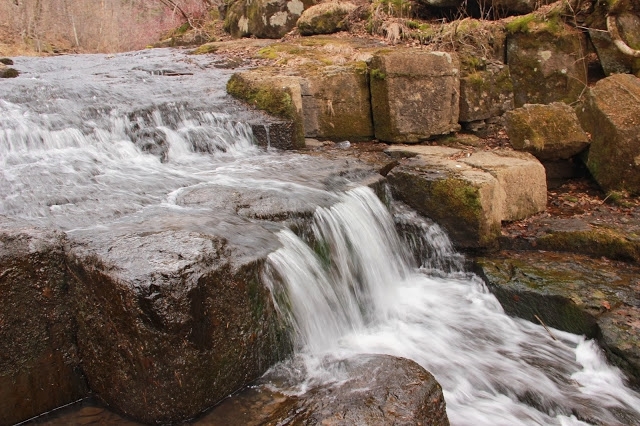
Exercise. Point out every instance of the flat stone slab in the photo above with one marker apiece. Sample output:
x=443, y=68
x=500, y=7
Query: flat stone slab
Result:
x=594, y=297
x=468, y=193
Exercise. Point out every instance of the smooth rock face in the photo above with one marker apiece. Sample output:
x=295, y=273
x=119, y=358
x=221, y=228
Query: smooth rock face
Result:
x=469, y=196
x=39, y=363
x=546, y=64
x=414, y=94
x=172, y=319
x=324, y=18
x=486, y=94
x=550, y=132
x=376, y=390
x=573, y=293
x=611, y=114
x=264, y=18
x=336, y=103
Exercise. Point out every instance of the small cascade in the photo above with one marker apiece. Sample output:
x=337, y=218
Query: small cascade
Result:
x=350, y=289
x=266, y=130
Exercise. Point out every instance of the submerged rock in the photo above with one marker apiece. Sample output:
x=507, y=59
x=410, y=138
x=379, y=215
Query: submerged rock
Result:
x=597, y=298
x=39, y=363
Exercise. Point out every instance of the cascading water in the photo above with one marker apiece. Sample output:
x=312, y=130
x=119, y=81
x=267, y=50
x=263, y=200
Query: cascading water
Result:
x=78, y=152
x=355, y=290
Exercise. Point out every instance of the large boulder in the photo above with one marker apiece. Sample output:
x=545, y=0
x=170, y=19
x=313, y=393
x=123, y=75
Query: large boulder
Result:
x=325, y=18
x=414, y=94
x=263, y=18
x=550, y=132
x=172, y=319
x=581, y=295
x=611, y=114
x=469, y=196
x=373, y=390
x=546, y=60
x=39, y=363
x=336, y=102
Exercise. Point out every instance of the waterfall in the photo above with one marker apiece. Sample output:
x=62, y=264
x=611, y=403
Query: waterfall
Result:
x=352, y=287
x=77, y=151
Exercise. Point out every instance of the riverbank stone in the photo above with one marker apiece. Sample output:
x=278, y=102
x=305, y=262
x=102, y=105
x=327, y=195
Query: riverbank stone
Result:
x=468, y=195
x=414, y=94
x=485, y=93
x=611, y=114
x=594, y=297
x=550, y=132
x=39, y=362
x=546, y=60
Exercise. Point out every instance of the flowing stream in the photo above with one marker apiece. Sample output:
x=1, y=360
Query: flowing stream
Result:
x=90, y=140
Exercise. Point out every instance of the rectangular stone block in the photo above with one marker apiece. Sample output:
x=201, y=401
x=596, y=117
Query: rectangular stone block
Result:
x=414, y=95
x=336, y=103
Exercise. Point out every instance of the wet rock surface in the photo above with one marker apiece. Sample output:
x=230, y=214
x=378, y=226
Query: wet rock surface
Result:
x=39, y=362
x=376, y=389
x=598, y=298
x=179, y=310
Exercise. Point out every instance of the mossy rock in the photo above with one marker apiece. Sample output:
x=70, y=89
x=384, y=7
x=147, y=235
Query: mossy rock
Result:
x=276, y=95
x=263, y=18
x=598, y=242
x=546, y=60
x=459, y=206
x=324, y=18
x=486, y=93
x=337, y=102
x=550, y=132
x=574, y=293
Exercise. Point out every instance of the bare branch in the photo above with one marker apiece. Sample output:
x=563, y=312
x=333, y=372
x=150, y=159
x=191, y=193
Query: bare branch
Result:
x=612, y=26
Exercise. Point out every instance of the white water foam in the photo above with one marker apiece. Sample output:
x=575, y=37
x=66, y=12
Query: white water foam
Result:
x=354, y=290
